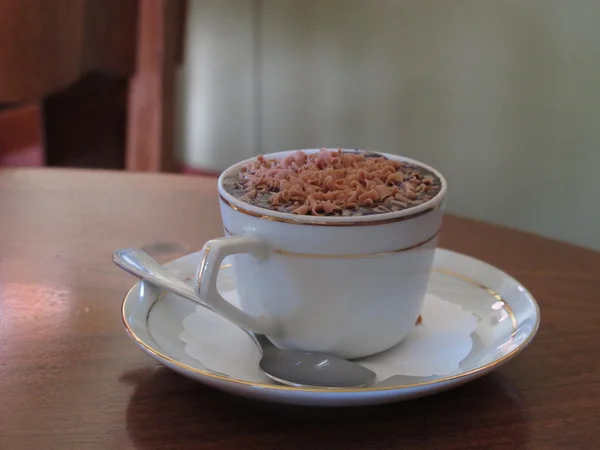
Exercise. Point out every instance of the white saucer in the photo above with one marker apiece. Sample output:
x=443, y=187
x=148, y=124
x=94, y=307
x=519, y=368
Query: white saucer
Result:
x=506, y=318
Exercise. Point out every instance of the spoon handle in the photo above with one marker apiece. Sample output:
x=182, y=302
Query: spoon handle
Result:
x=137, y=262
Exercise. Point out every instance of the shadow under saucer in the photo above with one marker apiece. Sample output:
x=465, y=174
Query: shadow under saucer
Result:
x=167, y=409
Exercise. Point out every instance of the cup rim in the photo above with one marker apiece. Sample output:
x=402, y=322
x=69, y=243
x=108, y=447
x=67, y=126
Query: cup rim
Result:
x=265, y=213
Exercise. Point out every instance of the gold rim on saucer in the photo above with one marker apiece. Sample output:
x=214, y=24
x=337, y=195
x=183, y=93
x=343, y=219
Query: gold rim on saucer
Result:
x=485, y=368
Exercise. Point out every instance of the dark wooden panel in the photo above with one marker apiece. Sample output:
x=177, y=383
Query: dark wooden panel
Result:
x=110, y=34
x=85, y=124
x=41, y=47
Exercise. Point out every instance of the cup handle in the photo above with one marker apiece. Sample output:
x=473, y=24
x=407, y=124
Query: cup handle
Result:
x=206, y=280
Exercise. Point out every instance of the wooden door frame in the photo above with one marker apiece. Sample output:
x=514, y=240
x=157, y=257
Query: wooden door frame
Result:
x=151, y=101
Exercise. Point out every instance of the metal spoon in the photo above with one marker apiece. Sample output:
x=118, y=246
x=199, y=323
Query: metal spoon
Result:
x=291, y=367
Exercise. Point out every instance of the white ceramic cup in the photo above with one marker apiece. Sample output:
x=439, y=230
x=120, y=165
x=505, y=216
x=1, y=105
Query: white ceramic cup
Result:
x=351, y=286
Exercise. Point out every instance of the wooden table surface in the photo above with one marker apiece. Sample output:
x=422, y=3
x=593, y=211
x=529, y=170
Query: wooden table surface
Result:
x=70, y=378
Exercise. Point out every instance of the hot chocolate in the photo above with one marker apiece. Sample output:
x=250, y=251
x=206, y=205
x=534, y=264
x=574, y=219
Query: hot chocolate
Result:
x=333, y=183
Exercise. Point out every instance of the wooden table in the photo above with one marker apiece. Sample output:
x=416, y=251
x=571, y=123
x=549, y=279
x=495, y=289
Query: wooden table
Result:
x=70, y=378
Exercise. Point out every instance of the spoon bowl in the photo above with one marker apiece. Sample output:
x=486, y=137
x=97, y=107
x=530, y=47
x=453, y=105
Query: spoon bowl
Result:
x=291, y=367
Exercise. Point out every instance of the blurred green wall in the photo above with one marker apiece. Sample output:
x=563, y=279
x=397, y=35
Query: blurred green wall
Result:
x=501, y=95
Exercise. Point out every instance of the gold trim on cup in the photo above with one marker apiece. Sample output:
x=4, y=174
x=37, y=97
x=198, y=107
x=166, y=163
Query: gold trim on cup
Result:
x=224, y=378
x=348, y=256
x=334, y=224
